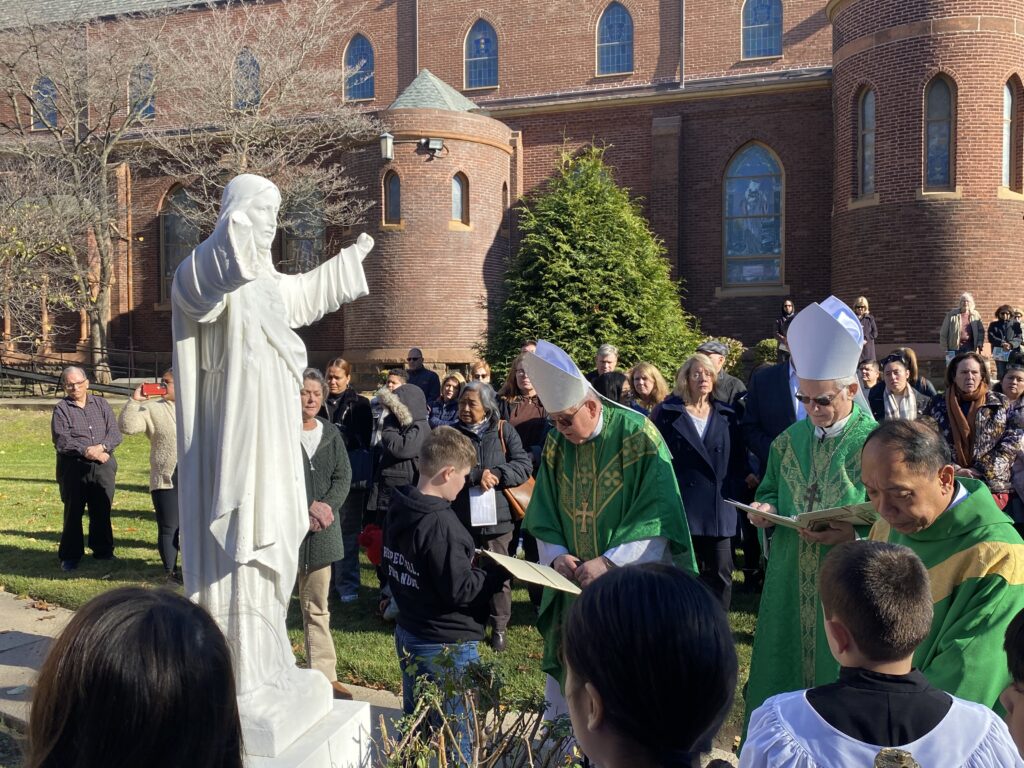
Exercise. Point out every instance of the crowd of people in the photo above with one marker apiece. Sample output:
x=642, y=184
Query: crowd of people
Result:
x=625, y=470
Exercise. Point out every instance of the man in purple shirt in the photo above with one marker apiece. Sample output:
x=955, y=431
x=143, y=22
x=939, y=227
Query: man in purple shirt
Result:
x=85, y=435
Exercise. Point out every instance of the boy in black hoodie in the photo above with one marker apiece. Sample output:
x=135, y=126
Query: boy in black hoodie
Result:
x=443, y=601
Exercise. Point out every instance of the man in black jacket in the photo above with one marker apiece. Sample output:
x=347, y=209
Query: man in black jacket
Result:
x=443, y=601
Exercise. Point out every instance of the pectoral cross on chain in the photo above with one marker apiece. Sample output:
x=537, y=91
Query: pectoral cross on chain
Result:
x=812, y=496
x=586, y=515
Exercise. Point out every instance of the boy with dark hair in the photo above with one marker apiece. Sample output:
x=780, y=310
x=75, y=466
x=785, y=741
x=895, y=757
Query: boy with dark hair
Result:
x=877, y=602
x=443, y=601
x=1012, y=698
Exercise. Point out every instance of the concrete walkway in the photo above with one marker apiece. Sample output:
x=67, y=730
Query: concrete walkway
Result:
x=28, y=628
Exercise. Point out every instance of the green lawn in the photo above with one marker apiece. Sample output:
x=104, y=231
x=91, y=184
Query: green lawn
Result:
x=30, y=525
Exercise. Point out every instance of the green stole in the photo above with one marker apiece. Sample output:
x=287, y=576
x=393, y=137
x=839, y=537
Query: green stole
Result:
x=804, y=473
x=617, y=488
x=975, y=561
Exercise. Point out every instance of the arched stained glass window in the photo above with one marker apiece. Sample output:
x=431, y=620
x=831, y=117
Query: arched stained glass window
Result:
x=141, y=98
x=359, y=63
x=460, y=198
x=866, y=144
x=762, y=28
x=481, y=56
x=179, y=235
x=247, y=80
x=44, y=108
x=392, y=198
x=615, y=41
x=753, y=208
x=940, y=137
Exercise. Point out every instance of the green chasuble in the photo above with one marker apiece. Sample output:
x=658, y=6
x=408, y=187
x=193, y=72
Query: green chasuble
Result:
x=975, y=562
x=617, y=488
x=803, y=473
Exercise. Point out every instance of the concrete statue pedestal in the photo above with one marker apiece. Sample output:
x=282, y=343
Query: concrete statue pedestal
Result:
x=341, y=739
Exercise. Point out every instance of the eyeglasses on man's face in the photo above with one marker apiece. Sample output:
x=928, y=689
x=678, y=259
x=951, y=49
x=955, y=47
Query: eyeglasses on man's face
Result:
x=412, y=359
x=75, y=384
x=565, y=420
x=822, y=401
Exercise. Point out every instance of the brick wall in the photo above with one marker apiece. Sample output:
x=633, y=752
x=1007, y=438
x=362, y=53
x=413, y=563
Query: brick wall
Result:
x=912, y=254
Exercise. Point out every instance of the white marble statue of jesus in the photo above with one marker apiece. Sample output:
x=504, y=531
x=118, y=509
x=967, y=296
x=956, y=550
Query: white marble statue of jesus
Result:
x=238, y=371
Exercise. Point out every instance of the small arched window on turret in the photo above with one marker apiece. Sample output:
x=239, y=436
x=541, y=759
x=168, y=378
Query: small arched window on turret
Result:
x=940, y=134
x=1012, y=139
x=866, y=143
x=392, y=198
x=460, y=198
x=762, y=29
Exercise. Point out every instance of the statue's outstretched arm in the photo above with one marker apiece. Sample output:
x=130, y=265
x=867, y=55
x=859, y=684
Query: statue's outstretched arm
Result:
x=337, y=281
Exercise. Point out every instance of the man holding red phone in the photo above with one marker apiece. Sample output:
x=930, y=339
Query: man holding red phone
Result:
x=85, y=435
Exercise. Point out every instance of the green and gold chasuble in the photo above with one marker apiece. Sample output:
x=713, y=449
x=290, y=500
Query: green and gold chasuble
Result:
x=617, y=488
x=803, y=473
x=975, y=562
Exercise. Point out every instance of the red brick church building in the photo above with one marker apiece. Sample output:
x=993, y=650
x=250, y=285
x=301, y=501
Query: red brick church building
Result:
x=783, y=148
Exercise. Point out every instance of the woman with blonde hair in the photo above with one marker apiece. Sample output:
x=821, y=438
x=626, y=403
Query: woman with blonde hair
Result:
x=708, y=458
x=870, y=328
x=649, y=387
x=962, y=330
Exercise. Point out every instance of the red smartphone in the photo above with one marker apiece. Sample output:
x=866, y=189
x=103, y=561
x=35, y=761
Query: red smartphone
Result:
x=154, y=389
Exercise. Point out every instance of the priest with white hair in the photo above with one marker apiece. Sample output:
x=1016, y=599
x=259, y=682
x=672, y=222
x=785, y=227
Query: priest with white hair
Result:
x=814, y=464
x=606, y=495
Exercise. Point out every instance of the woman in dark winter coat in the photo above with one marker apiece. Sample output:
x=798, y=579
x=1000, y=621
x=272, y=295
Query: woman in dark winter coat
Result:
x=444, y=411
x=868, y=326
x=498, y=468
x=350, y=413
x=403, y=429
x=895, y=397
x=1004, y=336
x=327, y=479
x=708, y=458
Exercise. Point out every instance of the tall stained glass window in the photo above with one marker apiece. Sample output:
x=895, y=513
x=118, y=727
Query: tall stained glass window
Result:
x=866, y=144
x=615, y=41
x=753, y=218
x=481, y=56
x=762, y=28
x=939, y=134
x=359, y=63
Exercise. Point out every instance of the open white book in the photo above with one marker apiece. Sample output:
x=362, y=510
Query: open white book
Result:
x=818, y=519
x=533, y=573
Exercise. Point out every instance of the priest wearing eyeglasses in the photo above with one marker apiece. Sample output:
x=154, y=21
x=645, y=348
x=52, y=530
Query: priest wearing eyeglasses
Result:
x=814, y=464
x=606, y=495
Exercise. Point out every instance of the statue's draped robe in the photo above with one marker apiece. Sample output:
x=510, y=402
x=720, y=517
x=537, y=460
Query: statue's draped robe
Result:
x=803, y=473
x=238, y=371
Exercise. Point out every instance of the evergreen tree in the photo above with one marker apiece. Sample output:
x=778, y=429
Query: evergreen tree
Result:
x=590, y=271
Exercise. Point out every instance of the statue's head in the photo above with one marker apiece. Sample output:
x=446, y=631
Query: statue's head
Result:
x=260, y=200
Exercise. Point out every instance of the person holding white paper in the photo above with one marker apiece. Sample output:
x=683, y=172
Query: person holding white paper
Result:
x=502, y=462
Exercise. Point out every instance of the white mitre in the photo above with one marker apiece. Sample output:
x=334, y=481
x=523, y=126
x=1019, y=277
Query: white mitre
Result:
x=825, y=341
x=558, y=381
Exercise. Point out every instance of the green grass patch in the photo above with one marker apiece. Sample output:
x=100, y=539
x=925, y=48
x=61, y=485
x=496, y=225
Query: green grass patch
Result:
x=30, y=526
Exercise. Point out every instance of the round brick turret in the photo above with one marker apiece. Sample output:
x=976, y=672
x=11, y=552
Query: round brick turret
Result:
x=912, y=248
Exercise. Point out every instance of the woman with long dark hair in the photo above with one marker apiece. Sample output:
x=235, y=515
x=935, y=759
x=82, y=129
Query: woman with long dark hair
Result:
x=139, y=677
x=650, y=668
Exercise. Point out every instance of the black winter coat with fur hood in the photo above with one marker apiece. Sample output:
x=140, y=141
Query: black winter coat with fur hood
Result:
x=404, y=429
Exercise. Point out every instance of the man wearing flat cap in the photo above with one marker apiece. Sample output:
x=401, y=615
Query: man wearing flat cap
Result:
x=729, y=389
x=606, y=495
